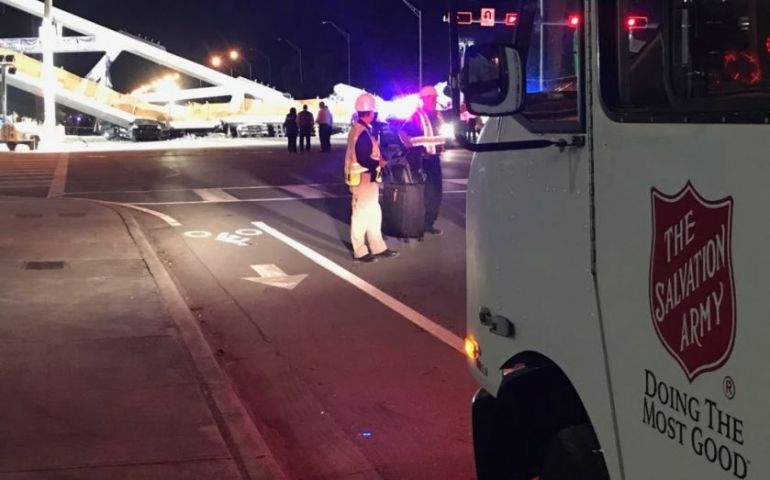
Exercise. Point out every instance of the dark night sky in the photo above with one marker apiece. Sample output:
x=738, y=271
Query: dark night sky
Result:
x=383, y=38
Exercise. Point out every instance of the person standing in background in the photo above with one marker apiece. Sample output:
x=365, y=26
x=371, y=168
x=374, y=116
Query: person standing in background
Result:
x=420, y=135
x=305, y=120
x=291, y=128
x=325, y=122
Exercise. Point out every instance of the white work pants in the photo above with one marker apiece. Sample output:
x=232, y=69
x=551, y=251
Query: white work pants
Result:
x=366, y=223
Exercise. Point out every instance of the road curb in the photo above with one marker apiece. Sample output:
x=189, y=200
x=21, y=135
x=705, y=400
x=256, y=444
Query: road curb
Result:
x=250, y=452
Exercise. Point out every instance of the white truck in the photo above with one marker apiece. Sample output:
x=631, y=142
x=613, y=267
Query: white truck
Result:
x=618, y=218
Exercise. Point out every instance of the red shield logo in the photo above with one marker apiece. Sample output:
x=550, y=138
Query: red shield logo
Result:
x=692, y=295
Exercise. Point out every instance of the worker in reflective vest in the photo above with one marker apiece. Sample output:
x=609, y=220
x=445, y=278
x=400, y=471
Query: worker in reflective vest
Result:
x=421, y=136
x=363, y=174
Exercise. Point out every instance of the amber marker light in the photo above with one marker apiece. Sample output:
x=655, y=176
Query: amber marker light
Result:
x=471, y=348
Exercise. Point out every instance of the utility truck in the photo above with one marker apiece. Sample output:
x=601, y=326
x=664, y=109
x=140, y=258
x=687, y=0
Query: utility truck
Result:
x=15, y=134
x=618, y=218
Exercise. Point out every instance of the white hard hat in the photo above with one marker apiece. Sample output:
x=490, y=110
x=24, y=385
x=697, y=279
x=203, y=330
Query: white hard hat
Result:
x=366, y=103
x=428, y=91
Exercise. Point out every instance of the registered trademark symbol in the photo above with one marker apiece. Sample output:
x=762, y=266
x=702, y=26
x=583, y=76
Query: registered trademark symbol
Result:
x=728, y=385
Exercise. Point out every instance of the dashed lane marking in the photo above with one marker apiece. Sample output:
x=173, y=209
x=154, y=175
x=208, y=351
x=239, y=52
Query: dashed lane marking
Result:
x=214, y=195
x=397, y=306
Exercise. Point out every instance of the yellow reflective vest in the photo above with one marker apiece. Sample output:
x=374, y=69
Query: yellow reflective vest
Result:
x=353, y=169
x=430, y=139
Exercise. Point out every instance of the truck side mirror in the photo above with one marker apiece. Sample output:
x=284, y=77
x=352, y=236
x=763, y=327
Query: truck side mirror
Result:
x=492, y=80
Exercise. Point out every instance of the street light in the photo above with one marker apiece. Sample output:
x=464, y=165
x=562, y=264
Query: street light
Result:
x=418, y=13
x=299, y=51
x=217, y=61
x=347, y=38
x=235, y=56
x=269, y=66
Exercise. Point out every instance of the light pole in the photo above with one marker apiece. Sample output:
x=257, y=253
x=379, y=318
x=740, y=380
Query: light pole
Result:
x=347, y=38
x=418, y=13
x=8, y=67
x=299, y=51
x=235, y=56
x=48, y=39
x=269, y=66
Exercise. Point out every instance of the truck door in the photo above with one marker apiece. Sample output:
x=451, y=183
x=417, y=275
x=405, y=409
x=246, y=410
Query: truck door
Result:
x=682, y=225
x=529, y=213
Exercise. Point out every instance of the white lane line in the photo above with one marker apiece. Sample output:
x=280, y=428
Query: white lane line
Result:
x=25, y=171
x=23, y=167
x=397, y=306
x=461, y=181
x=235, y=187
x=36, y=177
x=249, y=200
x=166, y=218
x=214, y=195
x=303, y=191
x=23, y=184
x=259, y=200
x=60, y=178
x=171, y=221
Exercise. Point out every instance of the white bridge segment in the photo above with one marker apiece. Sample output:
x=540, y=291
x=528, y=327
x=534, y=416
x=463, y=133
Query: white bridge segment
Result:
x=79, y=102
x=188, y=94
x=32, y=46
x=251, y=102
x=111, y=40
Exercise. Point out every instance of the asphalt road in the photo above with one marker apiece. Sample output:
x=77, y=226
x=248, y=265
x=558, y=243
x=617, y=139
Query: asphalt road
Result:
x=347, y=369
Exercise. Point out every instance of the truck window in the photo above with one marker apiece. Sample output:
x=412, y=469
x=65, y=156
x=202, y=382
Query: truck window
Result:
x=694, y=60
x=553, y=52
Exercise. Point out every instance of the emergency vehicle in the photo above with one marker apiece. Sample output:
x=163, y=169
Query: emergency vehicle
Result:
x=617, y=225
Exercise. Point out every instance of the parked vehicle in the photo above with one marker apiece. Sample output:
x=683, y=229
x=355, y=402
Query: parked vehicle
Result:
x=149, y=130
x=21, y=133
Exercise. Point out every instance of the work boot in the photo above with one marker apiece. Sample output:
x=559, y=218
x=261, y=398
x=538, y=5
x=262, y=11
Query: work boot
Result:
x=368, y=258
x=433, y=231
x=387, y=254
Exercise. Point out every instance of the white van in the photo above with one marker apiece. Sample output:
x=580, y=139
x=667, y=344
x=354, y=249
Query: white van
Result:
x=618, y=224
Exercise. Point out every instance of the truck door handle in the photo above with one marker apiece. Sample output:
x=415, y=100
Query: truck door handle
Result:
x=575, y=141
x=497, y=324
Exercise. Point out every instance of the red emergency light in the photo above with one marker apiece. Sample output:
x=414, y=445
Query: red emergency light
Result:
x=573, y=21
x=464, y=18
x=767, y=44
x=511, y=19
x=636, y=22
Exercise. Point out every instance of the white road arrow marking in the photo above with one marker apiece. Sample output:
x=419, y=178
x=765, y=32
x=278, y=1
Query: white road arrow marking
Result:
x=233, y=239
x=272, y=276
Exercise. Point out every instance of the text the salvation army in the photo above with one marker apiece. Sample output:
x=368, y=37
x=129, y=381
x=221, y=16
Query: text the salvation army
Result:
x=701, y=266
